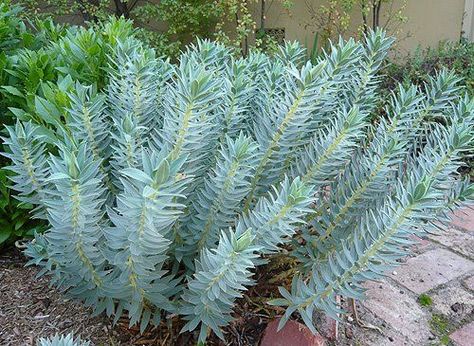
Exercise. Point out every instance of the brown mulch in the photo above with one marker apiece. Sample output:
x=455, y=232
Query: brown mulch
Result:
x=30, y=309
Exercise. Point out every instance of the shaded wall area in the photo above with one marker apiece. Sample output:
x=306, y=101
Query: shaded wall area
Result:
x=427, y=23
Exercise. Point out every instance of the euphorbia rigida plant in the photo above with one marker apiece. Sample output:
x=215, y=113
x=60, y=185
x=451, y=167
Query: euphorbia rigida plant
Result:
x=164, y=192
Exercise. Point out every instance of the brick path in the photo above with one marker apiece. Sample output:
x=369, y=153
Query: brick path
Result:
x=442, y=272
x=429, y=300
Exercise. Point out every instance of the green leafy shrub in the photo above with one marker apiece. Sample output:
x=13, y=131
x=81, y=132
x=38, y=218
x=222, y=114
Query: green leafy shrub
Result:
x=14, y=219
x=40, y=62
x=14, y=37
x=79, y=53
x=417, y=69
x=16, y=30
x=12, y=28
x=165, y=191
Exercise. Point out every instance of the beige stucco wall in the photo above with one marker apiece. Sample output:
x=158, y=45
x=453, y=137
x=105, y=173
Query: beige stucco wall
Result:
x=468, y=22
x=429, y=21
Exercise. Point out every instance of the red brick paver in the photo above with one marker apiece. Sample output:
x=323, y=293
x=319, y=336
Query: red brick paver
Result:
x=464, y=336
x=469, y=283
x=459, y=241
x=463, y=219
x=292, y=334
x=430, y=269
x=399, y=310
x=454, y=301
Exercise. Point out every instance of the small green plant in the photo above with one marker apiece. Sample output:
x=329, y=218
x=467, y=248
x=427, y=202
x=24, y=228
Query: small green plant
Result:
x=165, y=191
x=425, y=300
x=444, y=340
x=441, y=326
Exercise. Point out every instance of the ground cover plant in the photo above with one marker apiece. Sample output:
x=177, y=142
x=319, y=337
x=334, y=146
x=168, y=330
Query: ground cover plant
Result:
x=164, y=192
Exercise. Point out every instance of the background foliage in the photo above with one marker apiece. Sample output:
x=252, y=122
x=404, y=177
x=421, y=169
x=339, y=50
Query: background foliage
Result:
x=168, y=25
x=418, y=67
x=339, y=17
x=14, y=36
x=423, y=64
x=40, y=63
